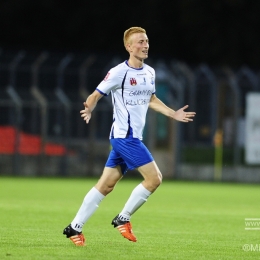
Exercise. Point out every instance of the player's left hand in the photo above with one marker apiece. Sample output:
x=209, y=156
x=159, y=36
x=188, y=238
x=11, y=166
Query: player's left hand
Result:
x=182, y=116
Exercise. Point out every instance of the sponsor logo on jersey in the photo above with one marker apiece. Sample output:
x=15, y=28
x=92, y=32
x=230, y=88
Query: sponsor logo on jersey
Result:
x=106, y=77
x=133, y=81
x=152, y=80
x=144, y=82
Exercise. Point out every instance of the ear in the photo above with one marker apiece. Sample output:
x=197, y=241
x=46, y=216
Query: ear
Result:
x=128, y=47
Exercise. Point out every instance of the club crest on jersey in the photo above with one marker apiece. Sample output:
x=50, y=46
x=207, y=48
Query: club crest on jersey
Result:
x=133, y=81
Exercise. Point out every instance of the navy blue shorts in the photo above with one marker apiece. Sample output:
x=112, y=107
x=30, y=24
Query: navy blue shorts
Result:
x=130, y=153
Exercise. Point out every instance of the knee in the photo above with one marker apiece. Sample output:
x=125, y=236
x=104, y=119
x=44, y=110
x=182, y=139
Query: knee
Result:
x=160, y=178
x=108, y=189
x=157, y=180
x=105, y=189
x=154, y=182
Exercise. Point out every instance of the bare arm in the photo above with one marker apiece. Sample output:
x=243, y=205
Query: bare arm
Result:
x=179, y=115
x=90, y=104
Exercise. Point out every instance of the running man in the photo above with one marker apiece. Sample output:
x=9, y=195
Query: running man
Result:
x=132, y=87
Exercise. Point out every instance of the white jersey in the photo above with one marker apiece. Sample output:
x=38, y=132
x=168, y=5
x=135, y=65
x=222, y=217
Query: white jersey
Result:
x=131, y=90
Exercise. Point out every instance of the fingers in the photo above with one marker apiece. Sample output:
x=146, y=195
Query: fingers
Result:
x=86, y=116
x=188, y=117
x=191, y=113
x=185, y=107
x=188, y=113
x=186, y=120
x=83, y=114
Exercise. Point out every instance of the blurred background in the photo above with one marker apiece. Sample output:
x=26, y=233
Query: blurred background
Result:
x=205, y=53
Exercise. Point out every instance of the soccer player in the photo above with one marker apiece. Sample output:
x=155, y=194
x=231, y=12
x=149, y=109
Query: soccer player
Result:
x=132, y=87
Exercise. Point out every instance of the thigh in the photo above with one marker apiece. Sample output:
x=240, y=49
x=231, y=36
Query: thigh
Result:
x=108, y=179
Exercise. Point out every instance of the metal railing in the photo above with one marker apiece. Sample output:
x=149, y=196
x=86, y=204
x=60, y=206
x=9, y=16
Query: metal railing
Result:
x=51, y=112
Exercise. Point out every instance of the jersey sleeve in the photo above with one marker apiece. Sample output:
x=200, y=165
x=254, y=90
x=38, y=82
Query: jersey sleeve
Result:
x=153, y=80
x=110, y=82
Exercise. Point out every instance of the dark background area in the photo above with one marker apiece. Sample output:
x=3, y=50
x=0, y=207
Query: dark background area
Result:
x=219, y=32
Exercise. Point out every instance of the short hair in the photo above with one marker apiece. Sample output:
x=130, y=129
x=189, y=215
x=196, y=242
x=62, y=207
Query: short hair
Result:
x=131, y=31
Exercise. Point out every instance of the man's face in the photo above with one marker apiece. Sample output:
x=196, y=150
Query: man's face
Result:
x=138, y=45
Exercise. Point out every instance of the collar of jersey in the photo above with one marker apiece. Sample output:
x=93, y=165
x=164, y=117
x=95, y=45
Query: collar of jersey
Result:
x=132, y=67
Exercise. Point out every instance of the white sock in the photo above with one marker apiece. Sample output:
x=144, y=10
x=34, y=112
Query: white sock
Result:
x=87, y=208
x=138, y=197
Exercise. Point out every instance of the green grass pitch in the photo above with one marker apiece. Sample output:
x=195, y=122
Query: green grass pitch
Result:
x=181, y=220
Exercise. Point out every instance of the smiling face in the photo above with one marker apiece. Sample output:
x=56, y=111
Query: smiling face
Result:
x=138, y=46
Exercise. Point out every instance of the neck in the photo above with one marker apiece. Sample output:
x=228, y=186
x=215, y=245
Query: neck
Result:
x=135, y=62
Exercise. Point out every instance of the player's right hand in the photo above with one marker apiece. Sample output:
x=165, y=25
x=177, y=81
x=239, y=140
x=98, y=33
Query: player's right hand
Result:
x=86, y=114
